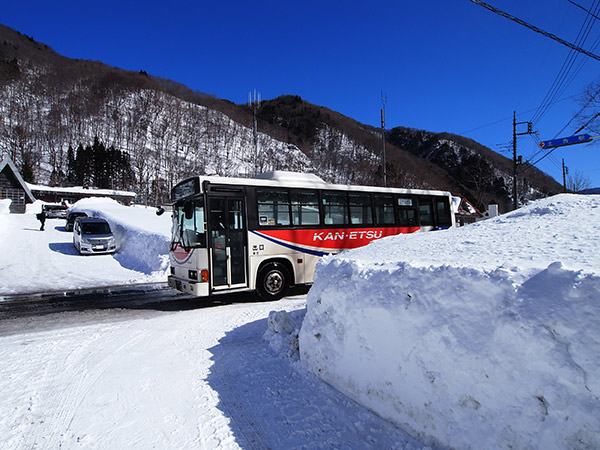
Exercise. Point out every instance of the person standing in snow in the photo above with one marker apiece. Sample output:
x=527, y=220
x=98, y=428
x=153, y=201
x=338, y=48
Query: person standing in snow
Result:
x=42, y=218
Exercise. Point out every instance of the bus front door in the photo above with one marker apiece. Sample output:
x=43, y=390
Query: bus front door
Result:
x=228, y=242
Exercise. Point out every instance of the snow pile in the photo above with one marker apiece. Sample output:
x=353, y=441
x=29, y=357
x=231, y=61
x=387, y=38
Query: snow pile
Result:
x=481, y=337
x=141, y=244
x=5, y=206
x=282, y=332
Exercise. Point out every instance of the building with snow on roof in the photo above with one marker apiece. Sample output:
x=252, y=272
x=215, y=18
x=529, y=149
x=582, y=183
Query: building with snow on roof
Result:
x=13, y=187
x=59, y=194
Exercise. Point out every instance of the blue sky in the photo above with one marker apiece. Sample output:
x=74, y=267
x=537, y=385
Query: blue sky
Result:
x=444, y=65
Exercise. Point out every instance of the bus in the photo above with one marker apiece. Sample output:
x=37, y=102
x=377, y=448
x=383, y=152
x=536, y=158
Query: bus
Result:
x=267, y=233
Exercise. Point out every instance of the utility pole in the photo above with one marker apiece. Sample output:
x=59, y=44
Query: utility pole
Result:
x=565, y=171
x=517, y=160
x=383, y=163
x=254, y=103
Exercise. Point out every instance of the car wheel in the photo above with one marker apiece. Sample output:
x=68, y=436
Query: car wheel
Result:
x=273, y=282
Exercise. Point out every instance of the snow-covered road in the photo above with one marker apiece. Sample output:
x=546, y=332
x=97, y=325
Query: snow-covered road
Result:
x=143, y=379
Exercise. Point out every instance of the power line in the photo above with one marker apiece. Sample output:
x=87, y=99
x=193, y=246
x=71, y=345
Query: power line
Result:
x=510, y=117
x=536, y=29
x=587, y=11
x=583, y=108
x=564, y=77
x=587, y=123
x=562, y=80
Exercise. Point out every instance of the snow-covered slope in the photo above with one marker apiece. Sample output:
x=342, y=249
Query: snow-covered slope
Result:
x=480, y=337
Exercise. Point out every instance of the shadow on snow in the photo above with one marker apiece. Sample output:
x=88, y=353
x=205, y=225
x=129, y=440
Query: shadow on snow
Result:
x=272, y=404
x=65, y=248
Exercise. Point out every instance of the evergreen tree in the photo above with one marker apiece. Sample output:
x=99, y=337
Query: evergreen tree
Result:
x=101, y=164
x=104, y=168
x=27, y=171
x=71, y=179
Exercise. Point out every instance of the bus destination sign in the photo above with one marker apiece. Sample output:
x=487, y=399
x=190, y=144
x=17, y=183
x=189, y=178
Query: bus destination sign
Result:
x=185, y=189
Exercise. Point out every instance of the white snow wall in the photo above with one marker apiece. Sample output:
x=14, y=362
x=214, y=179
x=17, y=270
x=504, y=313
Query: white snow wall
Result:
x=461, y=357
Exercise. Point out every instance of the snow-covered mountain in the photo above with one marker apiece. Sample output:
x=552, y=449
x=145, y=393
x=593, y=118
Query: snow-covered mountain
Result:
x=49, y=103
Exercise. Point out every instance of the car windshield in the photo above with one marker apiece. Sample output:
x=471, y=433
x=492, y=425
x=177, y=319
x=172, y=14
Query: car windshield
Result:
x=71, y=217
x=95, y=228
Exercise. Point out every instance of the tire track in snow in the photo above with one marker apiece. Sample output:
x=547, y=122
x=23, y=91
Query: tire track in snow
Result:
x=56, y=428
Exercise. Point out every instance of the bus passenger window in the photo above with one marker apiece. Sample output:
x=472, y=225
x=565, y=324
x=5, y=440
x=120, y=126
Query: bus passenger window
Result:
x=360, y=209
x=305, y=207
x=273, y=207
x=443, y=213
x=407, y=217
x=384, y=209
x=425, y=214
x=335, y=207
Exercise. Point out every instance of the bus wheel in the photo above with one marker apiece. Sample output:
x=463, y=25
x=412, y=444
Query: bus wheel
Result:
x=272, y=282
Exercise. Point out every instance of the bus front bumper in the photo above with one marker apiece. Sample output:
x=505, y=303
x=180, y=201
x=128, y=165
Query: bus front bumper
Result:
x=189, y=287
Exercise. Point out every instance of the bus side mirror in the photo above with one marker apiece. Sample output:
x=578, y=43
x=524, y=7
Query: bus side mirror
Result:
x=160, y=211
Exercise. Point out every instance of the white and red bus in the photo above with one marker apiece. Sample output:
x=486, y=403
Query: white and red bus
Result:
x=268, y=233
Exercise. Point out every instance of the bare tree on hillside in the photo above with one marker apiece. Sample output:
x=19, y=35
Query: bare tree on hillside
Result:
x=578, y=182
x=480, y=177
x=589, y=115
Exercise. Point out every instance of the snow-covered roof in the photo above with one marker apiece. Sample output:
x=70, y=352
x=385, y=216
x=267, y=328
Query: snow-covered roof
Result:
x=81, y=190
x=290, y=177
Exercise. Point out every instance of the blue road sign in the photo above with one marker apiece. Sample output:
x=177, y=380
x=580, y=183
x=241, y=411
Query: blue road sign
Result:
x=578, y=139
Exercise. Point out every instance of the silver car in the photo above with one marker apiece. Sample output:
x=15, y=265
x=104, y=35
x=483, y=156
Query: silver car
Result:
x=55, y=211
x=92, y=235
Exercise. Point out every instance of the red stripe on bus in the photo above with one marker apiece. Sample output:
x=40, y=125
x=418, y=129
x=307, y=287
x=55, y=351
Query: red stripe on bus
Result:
x=334, y=238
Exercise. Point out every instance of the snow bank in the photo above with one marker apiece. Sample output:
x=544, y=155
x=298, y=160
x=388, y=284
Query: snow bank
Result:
x=35, y=207
x=282, y=332
x=5, y=206
x=481, y=337
x=142, y=238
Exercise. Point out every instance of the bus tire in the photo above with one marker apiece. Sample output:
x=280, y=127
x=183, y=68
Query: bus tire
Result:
x=272, y=282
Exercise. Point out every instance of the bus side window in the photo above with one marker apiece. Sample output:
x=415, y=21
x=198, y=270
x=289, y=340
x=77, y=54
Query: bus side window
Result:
x=384, y=209
x=425, y=213
x=305, y=207
x=407, y=217
x=361, y=212
x=443, y=212
x=407, y=214
x=273, y=207
x=335, y=208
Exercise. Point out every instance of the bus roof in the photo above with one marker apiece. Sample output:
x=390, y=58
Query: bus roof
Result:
x=282, y=179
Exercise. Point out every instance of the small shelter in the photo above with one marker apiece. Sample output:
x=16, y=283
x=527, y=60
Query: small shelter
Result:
x=13, y=187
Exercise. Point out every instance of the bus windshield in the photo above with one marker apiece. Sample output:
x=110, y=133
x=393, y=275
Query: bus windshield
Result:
x=189, y=230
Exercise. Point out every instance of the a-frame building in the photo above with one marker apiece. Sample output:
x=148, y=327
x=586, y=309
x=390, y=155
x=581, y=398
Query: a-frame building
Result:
x=13, y=187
